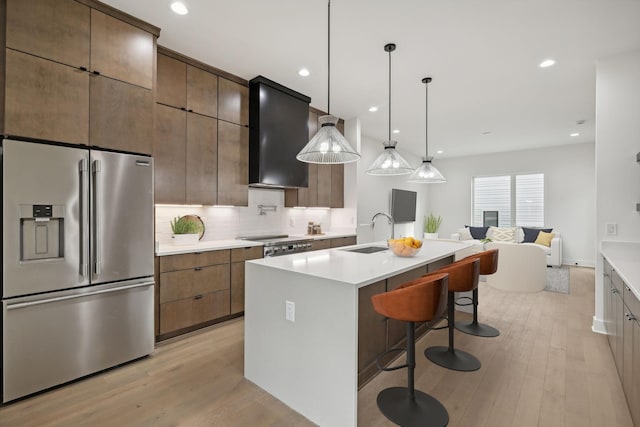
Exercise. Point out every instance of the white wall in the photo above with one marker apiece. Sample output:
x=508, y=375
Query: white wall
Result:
x=374, y=195
x=569, y=192
x=617, y=143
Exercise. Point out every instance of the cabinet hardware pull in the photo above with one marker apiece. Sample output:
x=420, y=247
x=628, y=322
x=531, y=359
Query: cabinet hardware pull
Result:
x=97, y=73
x=198, y=297
x=197, y=253
x=198, y=268
x=183, y=109
x=82, y=68
x=191, y=111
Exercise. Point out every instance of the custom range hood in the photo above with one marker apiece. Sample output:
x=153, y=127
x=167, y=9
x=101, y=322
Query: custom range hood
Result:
x=278, y=130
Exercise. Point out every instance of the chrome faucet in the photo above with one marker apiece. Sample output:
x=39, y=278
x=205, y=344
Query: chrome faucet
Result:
x=389, y=218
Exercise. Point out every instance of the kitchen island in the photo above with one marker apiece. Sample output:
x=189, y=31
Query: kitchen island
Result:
x=312, y=361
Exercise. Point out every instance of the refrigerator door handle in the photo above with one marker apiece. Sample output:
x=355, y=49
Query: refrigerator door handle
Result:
x=97, y=250
x=82, y=295
x=83, y=206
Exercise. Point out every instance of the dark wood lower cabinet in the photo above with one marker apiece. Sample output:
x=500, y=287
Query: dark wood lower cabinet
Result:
x=191, y=311
x=377, y=335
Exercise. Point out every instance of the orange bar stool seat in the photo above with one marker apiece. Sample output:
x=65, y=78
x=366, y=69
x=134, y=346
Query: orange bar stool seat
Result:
x=488, y=265
x=417, y=301
x=463, y=277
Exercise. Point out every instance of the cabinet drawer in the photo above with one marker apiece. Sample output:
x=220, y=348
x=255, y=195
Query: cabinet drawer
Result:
x=630, y=300
x=192, y=260
x=192, y=311
x=316, y=245
x=243, y=254
x=175, y=285
x=343, y=241
x=617, y=281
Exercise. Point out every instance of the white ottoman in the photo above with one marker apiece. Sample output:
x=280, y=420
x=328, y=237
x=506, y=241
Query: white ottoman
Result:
x=521, y=268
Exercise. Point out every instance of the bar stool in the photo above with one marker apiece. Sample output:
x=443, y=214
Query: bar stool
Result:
x=463, y=277
x=488, y=265
x=416, y=301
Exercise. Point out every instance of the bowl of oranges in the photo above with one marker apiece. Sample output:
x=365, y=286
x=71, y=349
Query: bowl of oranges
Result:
x=404, y=246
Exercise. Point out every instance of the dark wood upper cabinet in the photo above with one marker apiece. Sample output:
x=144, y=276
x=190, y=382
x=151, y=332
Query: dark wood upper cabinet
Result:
x=233, y=102
x=201, y=160
x=170, y=155
x=171, y=86
x=121, y=51
x=45, y=99
x=59, y=30
x=337, y=186
x=324, y=186
x=121, y=116
x=202, y=92
x=233, y=164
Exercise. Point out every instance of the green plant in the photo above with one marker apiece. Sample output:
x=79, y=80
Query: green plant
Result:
x=182, y=225
x=432, y=223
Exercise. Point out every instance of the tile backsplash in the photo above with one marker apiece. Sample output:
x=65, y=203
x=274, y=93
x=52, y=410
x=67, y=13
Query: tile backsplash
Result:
x=223, y=223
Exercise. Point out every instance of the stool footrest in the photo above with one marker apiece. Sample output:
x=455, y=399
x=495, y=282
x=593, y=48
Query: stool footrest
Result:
x=393, y=368
x=463, y=304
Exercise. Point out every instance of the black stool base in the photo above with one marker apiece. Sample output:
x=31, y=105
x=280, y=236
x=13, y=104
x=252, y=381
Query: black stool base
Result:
x=457, y=360
x=477, y=329
x=423, y=411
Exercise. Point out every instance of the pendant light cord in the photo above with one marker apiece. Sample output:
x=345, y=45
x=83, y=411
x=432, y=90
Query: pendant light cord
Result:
x=426, y=119
x=329, y=58
x=390, y=94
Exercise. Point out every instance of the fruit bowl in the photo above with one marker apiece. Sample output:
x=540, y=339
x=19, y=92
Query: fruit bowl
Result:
x=405, y=246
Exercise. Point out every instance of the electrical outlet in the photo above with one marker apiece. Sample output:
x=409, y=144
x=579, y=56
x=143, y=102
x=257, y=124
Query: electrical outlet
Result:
x=611, y=229
x=290, y=311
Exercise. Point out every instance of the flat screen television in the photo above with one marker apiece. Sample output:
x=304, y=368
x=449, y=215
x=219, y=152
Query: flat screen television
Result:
x=403, y=205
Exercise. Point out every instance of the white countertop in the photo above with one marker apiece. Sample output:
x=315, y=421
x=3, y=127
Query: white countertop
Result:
x=624, y=257
x=361, y=269
x=211, y=245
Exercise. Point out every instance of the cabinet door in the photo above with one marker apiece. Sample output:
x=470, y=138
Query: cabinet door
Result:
x=233, y=102
x=169, y=153
x=324, y=186
x=181, y=284
x=237, y=287
x=192, y=311
x=627, y=352
x=337, y=186
x=372, y=331
x=172, y=78
x=53, y=29
x=343, y=241
x=121, y=51
x=202, y=160
x=317, y=245
x=45, y=100
x=121, y=116
x=634, y=403
x=202, y=92
x=618, y=312
x=233, y=164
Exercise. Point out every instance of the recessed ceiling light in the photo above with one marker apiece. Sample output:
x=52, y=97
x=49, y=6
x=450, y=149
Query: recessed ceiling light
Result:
x=547, y=63
x=373, y=109
x=396, y=131
x=439, y=152
x=575, y=134
x=304, y=72
x=486, y=133
x=179, y=8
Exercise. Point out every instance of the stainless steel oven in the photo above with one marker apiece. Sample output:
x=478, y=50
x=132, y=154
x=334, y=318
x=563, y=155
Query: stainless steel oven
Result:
x=280, y=244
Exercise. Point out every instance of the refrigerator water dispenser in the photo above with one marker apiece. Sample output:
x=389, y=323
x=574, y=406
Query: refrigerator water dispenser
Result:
x=41, y=232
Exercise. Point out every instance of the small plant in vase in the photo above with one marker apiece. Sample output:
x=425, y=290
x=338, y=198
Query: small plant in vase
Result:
x=431, y=225
x=185, y=230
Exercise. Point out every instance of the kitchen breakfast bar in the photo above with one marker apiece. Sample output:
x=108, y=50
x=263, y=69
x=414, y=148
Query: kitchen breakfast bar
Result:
x=303, y=316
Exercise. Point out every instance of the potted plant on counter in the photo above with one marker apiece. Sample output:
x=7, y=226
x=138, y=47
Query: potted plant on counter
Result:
x=185, y=230
x=431, y=225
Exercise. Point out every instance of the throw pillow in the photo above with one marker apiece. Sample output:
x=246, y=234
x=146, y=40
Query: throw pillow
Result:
x=503, y=234
x=465, y=234
x=531, y=234
x=544, y=238
x=478, y=232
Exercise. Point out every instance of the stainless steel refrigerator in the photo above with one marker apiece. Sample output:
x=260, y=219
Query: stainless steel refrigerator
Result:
x=77, y=258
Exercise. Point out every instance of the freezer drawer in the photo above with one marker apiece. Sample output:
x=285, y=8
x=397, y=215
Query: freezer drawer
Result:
x=66, y=335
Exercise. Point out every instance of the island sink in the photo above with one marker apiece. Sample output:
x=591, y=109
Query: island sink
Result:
x=367, y=250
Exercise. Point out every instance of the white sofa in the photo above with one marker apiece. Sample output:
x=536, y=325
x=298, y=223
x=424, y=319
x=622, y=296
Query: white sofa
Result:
x=553, y=252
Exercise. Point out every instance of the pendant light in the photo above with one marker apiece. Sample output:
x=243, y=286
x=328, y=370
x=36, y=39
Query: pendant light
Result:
x=390, y=162
x=328, y=146
x=426, y=173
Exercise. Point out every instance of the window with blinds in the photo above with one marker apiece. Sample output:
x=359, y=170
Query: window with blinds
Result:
x=519, y=199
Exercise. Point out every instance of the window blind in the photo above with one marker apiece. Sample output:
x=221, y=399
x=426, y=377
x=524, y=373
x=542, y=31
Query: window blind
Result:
x=492, y=193
x=530, y=200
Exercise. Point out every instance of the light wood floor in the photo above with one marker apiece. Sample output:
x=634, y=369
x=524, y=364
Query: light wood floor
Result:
x=545, y=369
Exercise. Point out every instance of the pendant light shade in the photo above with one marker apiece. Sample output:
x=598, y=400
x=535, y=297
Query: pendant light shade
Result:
x=427, y=173
x=328, y=146
x=390, y=162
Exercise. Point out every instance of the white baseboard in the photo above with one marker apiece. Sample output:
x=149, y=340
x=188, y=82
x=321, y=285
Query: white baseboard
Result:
x=579, y=262
x=598, y=326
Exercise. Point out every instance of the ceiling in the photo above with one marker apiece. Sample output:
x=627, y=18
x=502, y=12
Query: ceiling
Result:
x=488, y=93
